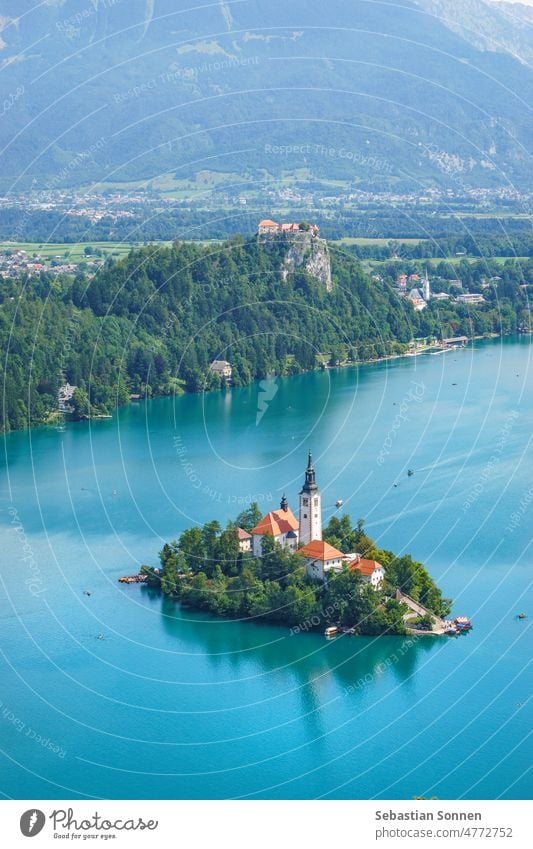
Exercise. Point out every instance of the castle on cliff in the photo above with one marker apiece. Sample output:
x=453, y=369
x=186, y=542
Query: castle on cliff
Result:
x=305, y=250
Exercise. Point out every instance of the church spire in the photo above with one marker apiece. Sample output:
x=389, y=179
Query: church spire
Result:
x=284, y=503
x=310, y=506
x=310, y=480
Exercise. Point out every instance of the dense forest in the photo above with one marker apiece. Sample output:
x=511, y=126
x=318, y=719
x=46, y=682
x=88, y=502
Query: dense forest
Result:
x=159, y=222
x=205, y=570
x=513, y=244
x=153, y=322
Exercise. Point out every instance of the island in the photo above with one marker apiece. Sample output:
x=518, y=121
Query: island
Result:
x=282, y=569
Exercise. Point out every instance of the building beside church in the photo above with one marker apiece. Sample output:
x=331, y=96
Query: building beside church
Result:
x=321, y=557
x=371, y=571
x=244, y=540
x=304, y=535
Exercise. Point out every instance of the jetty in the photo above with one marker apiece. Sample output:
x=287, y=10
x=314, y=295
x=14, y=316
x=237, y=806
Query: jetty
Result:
x=133, y=579
x=440, y=626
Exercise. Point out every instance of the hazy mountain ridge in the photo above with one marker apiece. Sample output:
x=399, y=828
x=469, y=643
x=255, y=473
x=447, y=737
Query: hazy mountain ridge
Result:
x=498, y=27
x=126, y=90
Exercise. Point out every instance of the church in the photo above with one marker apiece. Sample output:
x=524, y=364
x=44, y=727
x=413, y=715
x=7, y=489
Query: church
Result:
x=282, y=524
x=304, y=535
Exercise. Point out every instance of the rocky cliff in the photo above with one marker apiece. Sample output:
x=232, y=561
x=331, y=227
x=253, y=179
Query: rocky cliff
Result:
x=305, y=252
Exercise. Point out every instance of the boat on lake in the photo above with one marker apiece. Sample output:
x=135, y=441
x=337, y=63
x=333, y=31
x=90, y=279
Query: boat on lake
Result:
x=331, y=631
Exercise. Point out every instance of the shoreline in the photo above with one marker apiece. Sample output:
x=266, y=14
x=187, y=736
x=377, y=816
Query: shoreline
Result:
x=425, y=349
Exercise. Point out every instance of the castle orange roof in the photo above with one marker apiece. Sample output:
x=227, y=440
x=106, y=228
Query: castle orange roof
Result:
x=277, y=522
x=365, y=567
x=318, y=549
x=268, y=223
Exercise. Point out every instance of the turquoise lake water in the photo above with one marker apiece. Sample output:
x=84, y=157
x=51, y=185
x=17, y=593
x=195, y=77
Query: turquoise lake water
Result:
x=175, y=705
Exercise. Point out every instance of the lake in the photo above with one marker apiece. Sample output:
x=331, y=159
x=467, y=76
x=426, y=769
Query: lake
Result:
x=172, y=704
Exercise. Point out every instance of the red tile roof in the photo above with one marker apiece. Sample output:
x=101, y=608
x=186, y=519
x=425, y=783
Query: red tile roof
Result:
x=318, y=549
x=242, y=534
x=365, y=567
x=277, y=522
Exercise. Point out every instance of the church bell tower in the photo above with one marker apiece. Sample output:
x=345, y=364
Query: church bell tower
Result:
x=310, y=507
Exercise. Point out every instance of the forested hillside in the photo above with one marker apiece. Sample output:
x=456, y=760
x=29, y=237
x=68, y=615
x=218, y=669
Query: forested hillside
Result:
x=154, y=321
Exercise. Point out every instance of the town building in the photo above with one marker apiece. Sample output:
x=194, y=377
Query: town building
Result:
x=426, y=288
x=455, y=341
x=222, y=368
x=417, y=300
x=64, y=397
x=470, y=298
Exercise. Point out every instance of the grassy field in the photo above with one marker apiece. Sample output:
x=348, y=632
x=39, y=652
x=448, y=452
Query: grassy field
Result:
x=75, y=252
x=67, y=252
x=348, y=240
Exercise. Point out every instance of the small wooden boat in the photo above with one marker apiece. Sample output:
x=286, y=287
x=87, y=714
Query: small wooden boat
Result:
x=339, y=502
x=451, y=631
x=521, y=615
x=331, y=631
x=410, y=473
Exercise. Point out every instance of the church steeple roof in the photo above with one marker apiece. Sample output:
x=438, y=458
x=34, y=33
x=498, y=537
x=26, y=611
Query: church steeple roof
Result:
x=310, y=484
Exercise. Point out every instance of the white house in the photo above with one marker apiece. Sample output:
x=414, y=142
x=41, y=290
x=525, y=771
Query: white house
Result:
x=371, y=571
x=471, y=298
x=321, y=557
x=222, y=368
x=244, y=539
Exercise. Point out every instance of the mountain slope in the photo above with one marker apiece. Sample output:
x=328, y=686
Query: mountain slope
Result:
x=498, y=27
x=369, y=91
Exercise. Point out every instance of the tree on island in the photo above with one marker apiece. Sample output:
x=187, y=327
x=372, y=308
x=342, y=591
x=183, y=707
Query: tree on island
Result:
x=249, y=518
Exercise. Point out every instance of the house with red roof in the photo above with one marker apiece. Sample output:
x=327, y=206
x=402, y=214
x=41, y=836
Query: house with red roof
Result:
x=321, y=557
x=371, y=571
